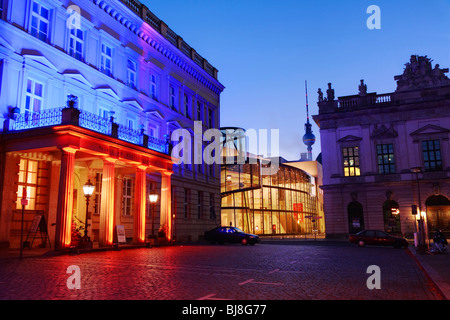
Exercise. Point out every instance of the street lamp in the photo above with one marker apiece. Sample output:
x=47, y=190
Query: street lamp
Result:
x=153, y=198
x=421, y=244
x=88, y=189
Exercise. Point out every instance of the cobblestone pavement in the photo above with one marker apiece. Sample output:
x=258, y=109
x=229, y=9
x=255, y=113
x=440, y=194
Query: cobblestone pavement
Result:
x=208, y=272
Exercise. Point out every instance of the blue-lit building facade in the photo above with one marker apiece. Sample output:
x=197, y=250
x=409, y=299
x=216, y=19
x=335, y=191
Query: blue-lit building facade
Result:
x=95, y=97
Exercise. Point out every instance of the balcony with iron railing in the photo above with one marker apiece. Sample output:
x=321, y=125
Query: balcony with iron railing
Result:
x=82, y=118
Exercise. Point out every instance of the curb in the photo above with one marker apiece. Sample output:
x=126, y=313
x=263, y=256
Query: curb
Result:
x=431, y=283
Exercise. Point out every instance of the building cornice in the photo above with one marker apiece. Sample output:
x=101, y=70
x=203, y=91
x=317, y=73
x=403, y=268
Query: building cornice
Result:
x=158, y=42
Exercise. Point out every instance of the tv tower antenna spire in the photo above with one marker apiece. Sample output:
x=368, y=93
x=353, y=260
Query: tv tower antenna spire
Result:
x=308, y=139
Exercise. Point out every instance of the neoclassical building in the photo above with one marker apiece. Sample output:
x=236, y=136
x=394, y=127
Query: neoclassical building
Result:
x=382, y=154
x=91, y=91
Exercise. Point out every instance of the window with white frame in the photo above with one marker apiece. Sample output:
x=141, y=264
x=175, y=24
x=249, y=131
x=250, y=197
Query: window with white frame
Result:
x=131, y=74
x=154, y=86
x=127, y=196
x=33, y=96
x=103, y=113
x=40, y=21
x=130, y=123
x=106, y=60
x=76, y=43
x=28, y=178
x=153, y=130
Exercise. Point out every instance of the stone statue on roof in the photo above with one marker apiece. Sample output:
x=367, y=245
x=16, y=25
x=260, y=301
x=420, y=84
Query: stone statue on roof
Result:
x=418, y=73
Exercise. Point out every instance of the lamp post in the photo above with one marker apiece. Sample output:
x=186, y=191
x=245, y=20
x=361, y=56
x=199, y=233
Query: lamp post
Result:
x=153, y=198
x=421, y=243
x=88, y=189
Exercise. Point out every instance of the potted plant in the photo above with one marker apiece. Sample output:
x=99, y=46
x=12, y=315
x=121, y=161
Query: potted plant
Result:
x=76, y=233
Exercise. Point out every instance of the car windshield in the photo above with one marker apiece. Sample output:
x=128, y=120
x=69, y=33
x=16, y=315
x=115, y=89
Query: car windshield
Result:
x=238, y=230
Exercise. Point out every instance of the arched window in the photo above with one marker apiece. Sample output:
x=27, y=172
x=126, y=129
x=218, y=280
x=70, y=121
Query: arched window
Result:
x=355, y=217
x=391, y=216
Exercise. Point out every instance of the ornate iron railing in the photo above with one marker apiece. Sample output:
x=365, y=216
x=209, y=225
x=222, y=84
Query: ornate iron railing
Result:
x=88, y=120
x=44, y=118
x=94, y=122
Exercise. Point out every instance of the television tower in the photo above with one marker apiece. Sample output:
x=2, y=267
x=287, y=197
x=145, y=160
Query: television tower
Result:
x=309, y=138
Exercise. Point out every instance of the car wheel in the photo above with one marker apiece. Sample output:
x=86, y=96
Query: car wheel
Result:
x=244, y=241
x=361, y=243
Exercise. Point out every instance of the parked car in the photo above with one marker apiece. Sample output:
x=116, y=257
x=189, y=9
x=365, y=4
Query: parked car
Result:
x=378, y=238
x=230, y=234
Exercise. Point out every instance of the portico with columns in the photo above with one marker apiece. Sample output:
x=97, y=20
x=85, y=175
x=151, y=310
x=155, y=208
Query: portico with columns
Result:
x=66, y=156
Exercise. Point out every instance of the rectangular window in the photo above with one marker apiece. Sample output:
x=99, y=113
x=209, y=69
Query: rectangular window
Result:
x=98, y=192
x=431, y=150
x=351, y=161
x=186, y=203
x=385, y=158
x=40, y=21
x=76, y=43
x=131, y=74
x=154, y=86
x=210, y=118
x=34, y=96
x=212, y=211
x=199, y=111
x=187, y=106
x=199, y=204
x=173, y=97
x=28, y=177
x=106, y=60
x=127, y=196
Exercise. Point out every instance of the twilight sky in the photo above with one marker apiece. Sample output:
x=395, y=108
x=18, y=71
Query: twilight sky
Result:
x=265, y=50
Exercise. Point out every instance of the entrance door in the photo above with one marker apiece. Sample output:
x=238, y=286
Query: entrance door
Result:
x=438, y=214
x=355, y=217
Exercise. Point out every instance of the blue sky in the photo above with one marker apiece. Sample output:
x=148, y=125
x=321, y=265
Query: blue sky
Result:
x=265, y=50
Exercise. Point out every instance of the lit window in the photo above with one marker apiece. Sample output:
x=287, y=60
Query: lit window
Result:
x=131, y=74
x=76, y=43
x=98, y=192
x=385, y=158
x=40, y=17
x=127, y=196
x=351, y=161
x=34, y=96
x=28, y=174
x=106, y=60
x=431, y=150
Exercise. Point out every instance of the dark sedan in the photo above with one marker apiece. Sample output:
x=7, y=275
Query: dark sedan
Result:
x=378, y=238
x=230, y=234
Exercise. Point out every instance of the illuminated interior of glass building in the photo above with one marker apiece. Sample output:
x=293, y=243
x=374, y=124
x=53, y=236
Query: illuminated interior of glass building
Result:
x=282, y=203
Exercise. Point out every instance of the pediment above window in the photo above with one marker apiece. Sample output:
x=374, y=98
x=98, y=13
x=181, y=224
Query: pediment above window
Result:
x=430, y=129
x=107, y=90
x=74, y=74
x=350, y=138
x=134, y=103
x=38, y=57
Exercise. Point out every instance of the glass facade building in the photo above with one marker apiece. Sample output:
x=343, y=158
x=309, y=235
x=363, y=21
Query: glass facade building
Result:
x=285, y=202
